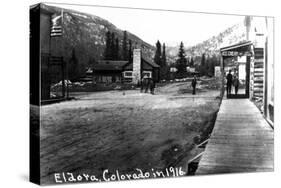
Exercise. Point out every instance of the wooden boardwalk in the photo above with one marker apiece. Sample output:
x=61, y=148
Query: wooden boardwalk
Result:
x=241, y=141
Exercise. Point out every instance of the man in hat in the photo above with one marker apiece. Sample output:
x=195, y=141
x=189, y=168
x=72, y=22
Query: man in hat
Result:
x=228, y=82
x=193, y=84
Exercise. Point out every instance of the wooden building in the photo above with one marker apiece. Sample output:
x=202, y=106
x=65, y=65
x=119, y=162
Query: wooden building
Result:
x=40, y=23
x=46, y=61
x=252, y=62
x=107, y=71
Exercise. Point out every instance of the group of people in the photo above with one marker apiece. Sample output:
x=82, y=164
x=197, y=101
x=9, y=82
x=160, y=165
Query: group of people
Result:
x=231, y=80
x=147, y=83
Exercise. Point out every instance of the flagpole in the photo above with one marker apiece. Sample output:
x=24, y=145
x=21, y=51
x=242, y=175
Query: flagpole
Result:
x=62, y=46
x=57, y=31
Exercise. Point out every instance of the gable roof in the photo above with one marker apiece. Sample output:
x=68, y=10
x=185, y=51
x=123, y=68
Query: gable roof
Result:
x=235, y=46
x=109, y=65
x=150, y=62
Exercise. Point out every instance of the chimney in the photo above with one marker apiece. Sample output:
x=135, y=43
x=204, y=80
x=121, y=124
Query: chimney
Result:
x=136, y=66
x=247, y=23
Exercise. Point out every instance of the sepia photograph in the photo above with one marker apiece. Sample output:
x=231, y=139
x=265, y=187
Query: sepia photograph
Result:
x=120, y=93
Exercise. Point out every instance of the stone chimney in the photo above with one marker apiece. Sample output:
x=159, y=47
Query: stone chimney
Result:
x=136, y=66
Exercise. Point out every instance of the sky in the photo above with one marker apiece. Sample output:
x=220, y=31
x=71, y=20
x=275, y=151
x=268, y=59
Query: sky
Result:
x=166, y=26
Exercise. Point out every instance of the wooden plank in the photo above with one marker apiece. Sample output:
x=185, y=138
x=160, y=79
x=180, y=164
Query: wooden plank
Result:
x=259, y=60
x=258, y=90
x=258, y=66
x=258, y=85
x=258, y=75
x=213, y=169
x=259, y=69
x=241, y=141
x=258, y=81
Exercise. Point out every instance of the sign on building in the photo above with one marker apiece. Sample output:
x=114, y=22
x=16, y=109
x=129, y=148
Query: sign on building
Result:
x=235, y=53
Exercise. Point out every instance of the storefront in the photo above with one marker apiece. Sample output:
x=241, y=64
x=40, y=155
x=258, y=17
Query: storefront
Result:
x=252, y=62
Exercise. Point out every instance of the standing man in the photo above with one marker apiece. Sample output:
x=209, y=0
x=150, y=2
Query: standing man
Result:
x=228, y=83
x=193, y=84
x=144, y=83
x=236, y=84
x=151, y=85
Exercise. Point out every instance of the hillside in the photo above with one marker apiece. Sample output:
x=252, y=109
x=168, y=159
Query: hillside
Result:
x=86, y=34
x=211, y=46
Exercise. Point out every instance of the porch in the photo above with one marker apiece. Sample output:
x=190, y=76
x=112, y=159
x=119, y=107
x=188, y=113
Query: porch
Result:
x=241, y=141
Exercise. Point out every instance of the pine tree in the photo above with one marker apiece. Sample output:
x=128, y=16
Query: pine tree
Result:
x=116, y=50
x=163, y=66
x=207, y=66
x=112, y=46
x=73, y=69
x=181, y=62
x=124, y=46
x=213, y=61
x=212, y=68
x=157, y=57
x=203, y=65
x=130, y=51
x=191, y=64
x=107, y=51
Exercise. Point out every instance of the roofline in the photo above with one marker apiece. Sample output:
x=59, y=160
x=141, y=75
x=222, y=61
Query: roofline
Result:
x=238, y=45
x=142, y=58
x=34, y=6
x=128, y=63
x=41, y=8
x=150, y=63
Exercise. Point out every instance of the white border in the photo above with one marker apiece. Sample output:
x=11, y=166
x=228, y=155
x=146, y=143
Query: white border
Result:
x=14, y=93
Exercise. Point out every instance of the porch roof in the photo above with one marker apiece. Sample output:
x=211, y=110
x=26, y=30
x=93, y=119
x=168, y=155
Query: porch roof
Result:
x=235, y=46
x=109, y=65
x=150, y=62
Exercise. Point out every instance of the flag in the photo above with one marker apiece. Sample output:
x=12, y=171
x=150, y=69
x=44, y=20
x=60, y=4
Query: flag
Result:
x=56, y=25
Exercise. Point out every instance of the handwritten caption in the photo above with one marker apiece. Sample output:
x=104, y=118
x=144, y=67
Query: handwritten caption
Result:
x=69, y=177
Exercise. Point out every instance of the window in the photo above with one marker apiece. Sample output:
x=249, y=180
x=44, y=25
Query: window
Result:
x=127, y=74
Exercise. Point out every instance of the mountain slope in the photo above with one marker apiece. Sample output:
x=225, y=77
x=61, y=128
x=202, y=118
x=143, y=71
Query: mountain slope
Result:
x=211, y=46
x=86, y=34
x=232, y=35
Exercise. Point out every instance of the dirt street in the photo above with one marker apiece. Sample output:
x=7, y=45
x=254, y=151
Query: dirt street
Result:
x=124, y=130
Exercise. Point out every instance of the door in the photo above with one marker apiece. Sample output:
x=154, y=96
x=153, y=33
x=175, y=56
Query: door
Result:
x=239, y=68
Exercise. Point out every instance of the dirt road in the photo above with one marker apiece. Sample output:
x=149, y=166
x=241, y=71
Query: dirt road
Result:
x=123, y=130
